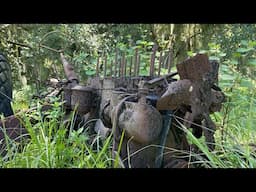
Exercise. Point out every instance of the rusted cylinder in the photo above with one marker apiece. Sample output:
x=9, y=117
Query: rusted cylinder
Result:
x=82, y=98
x=108, y=84
x=67, y=97
x=141, y=121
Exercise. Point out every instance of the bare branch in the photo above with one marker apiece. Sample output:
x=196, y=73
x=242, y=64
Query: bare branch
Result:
x=19, y=44
x=51, y=49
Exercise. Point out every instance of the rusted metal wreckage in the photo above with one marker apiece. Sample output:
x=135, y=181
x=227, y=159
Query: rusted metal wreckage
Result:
x=149, y=114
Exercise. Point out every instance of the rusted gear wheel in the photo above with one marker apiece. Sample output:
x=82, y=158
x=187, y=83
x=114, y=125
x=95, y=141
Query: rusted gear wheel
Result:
x=5, y=87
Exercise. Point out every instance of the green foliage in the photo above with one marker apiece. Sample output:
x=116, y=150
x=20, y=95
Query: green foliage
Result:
x=51, y=145
x=21, y=98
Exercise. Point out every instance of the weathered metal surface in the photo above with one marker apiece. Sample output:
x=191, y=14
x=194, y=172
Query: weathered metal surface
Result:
x=11, y=130
x=101, y=129
x=217, y=98
x=194, y=68
x=141, y=121
x=178, y=93
x=67, y=97
x=200, y=97
x=12, y=127
x=192, y=98
x=82, y=98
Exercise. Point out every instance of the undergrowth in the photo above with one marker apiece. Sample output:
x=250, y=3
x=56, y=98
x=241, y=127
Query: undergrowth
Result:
x=54, y=144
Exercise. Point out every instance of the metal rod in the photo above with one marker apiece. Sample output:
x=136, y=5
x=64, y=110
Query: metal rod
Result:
x=105, y=65
x=122, y=64
x=170, y=61
x=135, y=62
x=167, y=121
x=159, y=66
x=165, y=60
x=130, y=72
x=116, y=61
x=69, y=70
x=138, y=66
x=111, y=65
x=97, y=66
x=125, y=66
x=152, y=61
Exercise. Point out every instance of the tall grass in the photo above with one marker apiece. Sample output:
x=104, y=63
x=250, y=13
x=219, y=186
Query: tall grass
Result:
x=53, y=144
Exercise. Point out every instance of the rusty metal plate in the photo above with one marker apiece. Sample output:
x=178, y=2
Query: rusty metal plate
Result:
x=194, y=68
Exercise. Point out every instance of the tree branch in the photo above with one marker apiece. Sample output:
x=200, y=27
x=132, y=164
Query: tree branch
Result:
x=51, y=49
x=19, y=44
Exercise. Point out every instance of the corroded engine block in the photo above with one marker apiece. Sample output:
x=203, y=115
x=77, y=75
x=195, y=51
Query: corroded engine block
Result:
x=147, y=116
